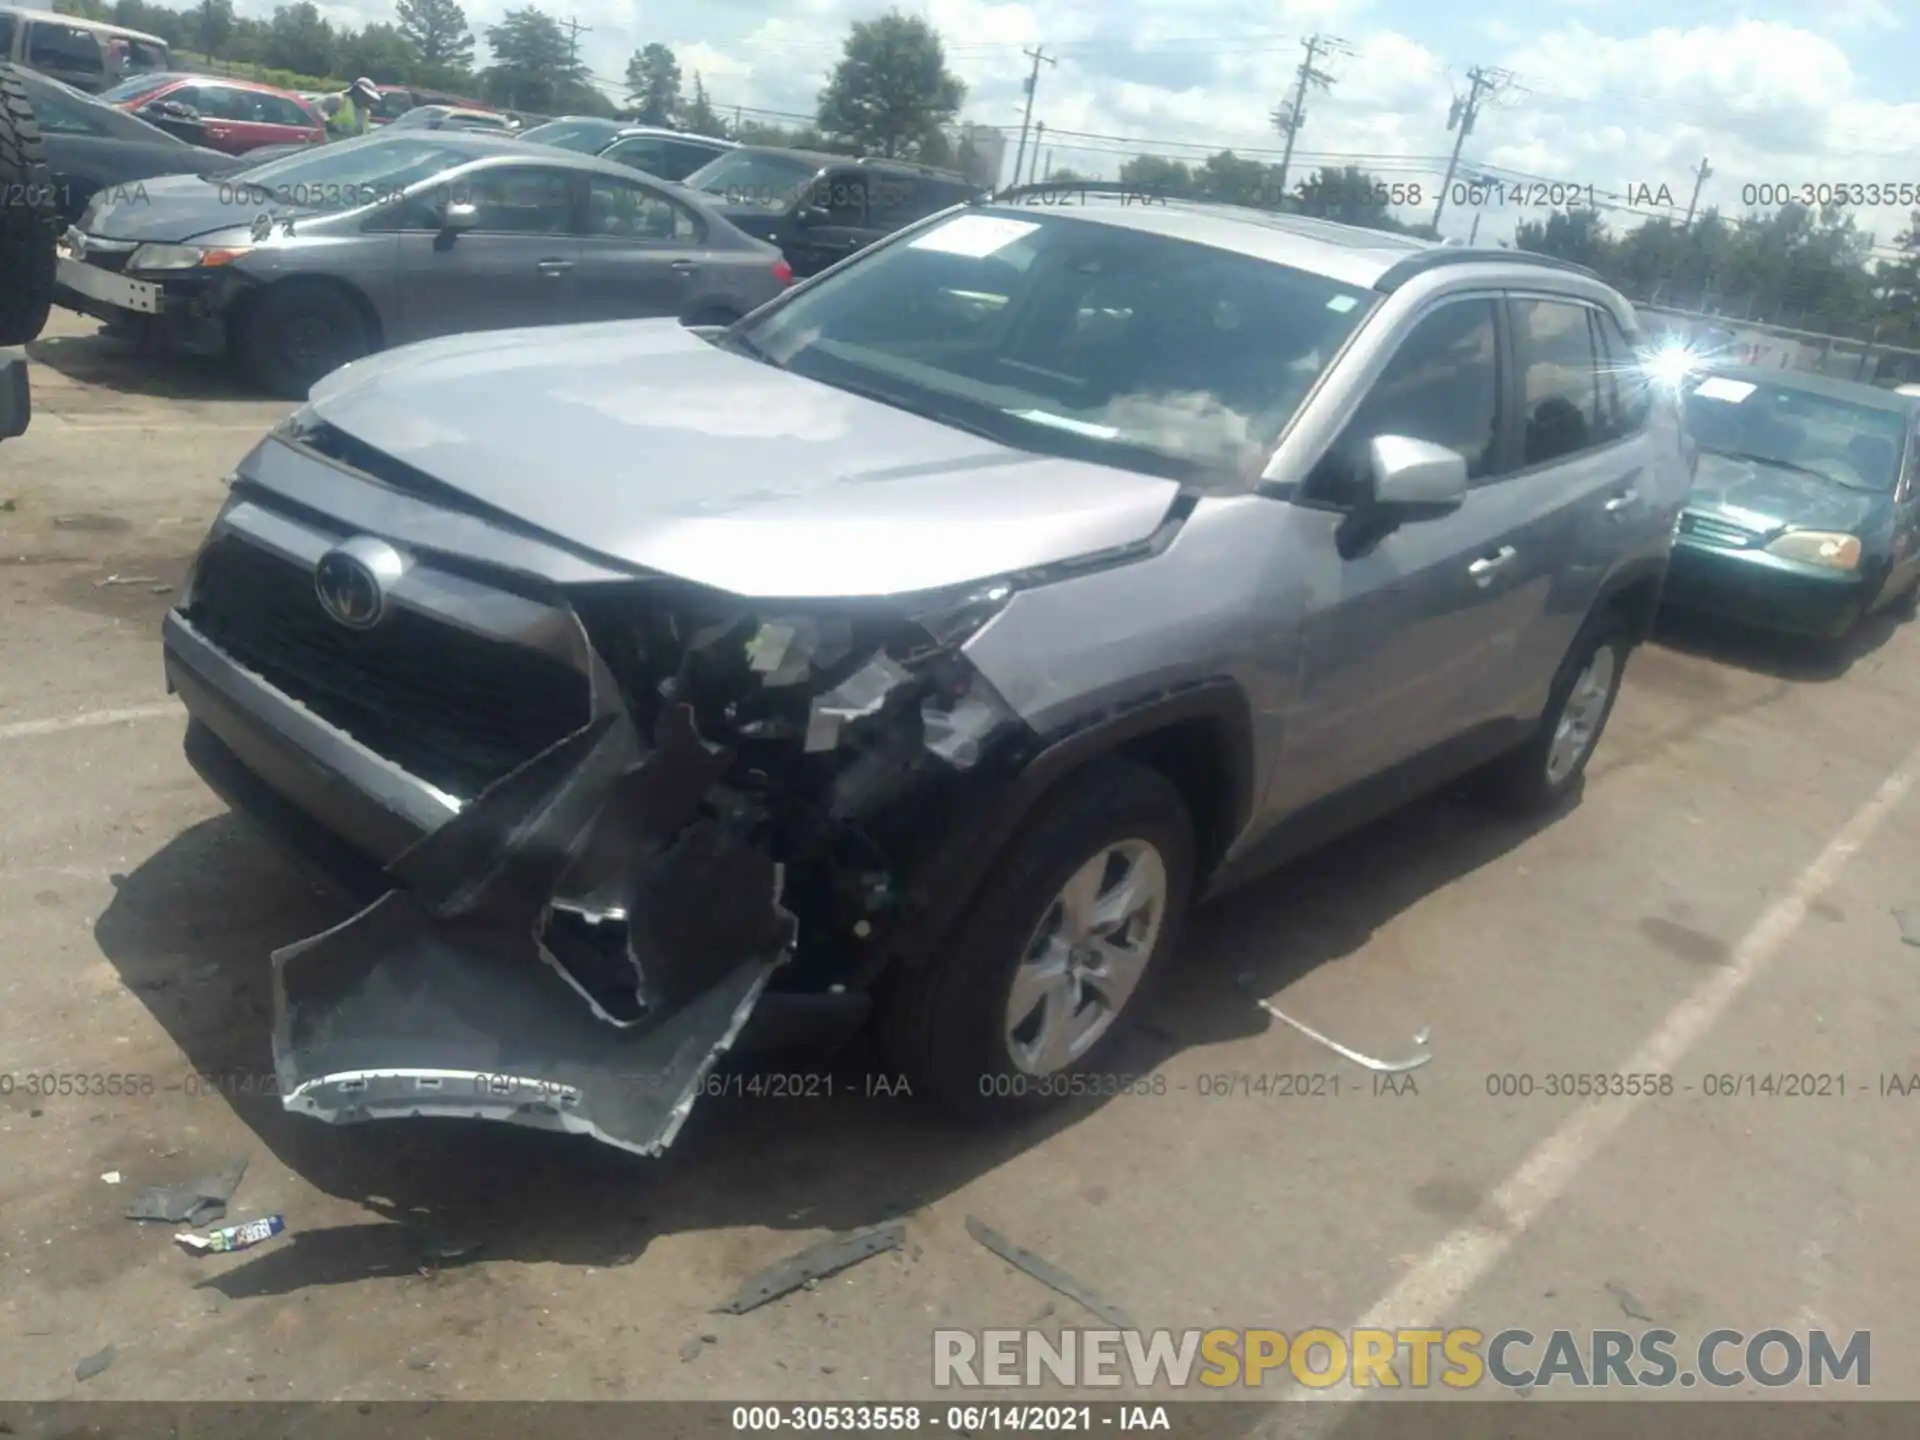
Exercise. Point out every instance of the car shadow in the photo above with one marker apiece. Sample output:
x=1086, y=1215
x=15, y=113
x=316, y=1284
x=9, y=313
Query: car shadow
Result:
x=122, y=365
x=1781, y=657
x=190, y=933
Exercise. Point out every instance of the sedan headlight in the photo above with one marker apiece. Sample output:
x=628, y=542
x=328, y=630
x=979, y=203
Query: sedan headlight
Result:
x=1831, y=549
x=183, y=257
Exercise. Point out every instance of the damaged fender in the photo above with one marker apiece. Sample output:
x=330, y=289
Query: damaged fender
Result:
x=444, y=997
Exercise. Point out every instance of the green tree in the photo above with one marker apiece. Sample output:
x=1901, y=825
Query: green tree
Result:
x=298, y=38
x=1349, y=195
x=697, y=115
x=534, y=67
x=1065, y=175
x=1239, y=181
x=1579, y=235
x=440, y=39
x=379, y=52
x=213, y=25
x=891, y=91
x=1157, y=172
x=653, y=85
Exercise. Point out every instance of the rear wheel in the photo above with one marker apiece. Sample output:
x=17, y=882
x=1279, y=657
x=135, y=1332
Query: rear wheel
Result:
x=1026, y=996
x=1547, y=771
x=29, y=222
x=295, y=334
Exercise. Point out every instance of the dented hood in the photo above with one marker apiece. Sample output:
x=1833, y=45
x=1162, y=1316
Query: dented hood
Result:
x=644, y=443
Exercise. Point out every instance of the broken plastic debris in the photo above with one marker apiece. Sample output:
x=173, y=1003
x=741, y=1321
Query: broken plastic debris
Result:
x=859, y=695
x=95, y=1363
x=235, y=1237
x=105, y=581
x=112, y=1177
x=196, y=1204
x=1909, y=923
x=816, y=1262
x=1052, y=1276
x=1381, y=1067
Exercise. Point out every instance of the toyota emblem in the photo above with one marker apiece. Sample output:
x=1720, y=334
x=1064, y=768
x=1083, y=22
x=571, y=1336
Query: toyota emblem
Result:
x=354, y=581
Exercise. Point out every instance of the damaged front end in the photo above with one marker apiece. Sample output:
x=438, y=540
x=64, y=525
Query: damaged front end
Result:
x=751, y=799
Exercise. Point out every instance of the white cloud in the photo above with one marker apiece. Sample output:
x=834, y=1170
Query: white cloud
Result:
x=1594, y=101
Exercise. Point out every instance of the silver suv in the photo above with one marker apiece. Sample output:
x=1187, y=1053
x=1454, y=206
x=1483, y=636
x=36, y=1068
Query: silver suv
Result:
x=922, y=644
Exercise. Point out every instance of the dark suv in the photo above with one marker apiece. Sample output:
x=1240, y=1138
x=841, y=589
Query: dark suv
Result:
x=821, y=208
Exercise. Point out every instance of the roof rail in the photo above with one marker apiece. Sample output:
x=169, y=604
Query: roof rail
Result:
x=1443, y=255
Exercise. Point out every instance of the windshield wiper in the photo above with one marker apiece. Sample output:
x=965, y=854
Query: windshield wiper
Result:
x=1798, y=468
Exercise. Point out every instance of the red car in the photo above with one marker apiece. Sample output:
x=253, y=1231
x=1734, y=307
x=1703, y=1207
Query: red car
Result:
x=230, y=115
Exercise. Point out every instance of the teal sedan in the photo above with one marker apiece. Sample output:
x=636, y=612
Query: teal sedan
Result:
x=1804, y=516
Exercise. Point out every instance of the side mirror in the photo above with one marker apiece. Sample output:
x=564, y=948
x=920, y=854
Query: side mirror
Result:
x=458, y=216
x=1416, y=478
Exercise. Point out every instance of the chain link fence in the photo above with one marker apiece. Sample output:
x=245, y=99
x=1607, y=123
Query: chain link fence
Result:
x=1745, y=342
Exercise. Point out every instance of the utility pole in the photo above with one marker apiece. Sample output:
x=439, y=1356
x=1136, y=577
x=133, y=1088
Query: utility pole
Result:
x=1483, y=82
x=1046, y=168
x=1700, y=178
x=574, y=31
x=1288, y=118
x=1039, y=57
x=1039, y=137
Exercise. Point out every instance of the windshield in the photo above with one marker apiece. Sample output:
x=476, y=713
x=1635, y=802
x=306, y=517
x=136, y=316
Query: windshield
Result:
x=354, y=172
x=584, y=137
x=133, y=89
x=753, y=177
x=1069, y=337
x=1855, y=445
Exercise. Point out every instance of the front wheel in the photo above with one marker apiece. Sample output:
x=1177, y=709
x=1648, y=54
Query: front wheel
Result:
x=293, y=336
x=1023, y=1001
x=1547, y=770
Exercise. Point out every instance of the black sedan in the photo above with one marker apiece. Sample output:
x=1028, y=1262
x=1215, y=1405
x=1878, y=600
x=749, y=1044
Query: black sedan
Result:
x=1805, y=511
x=92, y=147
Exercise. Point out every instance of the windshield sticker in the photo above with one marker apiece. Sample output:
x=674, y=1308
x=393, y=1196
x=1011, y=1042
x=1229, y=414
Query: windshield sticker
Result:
x=1340, y=304
x=1718, y=387
x=974, y=236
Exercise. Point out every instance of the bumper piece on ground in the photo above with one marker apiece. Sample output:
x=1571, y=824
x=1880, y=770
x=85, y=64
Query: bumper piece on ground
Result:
x=444, y=997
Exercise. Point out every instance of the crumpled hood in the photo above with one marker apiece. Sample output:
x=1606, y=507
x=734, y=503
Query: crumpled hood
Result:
x=1767, y=497
x=644, y=443
x=174, y=208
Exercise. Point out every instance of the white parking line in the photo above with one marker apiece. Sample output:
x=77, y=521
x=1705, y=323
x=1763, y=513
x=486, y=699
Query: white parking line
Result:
x=1431, y=1290
x=86, y=720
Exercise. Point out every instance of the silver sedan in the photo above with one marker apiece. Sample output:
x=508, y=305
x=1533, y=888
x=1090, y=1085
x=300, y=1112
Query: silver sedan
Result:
x=297, y=266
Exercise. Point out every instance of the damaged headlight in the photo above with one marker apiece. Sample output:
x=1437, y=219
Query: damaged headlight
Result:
x=184, y=257
x=805, y=674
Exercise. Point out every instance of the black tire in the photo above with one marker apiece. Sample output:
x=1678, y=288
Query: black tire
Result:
x=1523, y=782
x=296, y=333
x=943, y=1023
x=29, y=219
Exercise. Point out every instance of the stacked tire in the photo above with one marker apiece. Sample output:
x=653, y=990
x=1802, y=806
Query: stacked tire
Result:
x=28, y=219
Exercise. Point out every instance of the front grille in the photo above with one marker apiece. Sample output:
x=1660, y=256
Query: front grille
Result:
x=1709, y=531
x=454, y=709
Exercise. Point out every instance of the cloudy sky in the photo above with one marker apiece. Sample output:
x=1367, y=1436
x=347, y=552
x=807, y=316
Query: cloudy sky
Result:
x=1625, y=96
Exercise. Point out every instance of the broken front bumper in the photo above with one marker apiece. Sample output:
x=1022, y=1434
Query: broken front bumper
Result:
x=445, y=995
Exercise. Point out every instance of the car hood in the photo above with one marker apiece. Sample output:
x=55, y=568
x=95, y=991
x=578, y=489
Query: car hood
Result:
x=647, y=445
x=1763, y=498
x=172, y=208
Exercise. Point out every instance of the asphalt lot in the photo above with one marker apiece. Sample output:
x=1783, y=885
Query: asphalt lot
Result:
x=1720, y=904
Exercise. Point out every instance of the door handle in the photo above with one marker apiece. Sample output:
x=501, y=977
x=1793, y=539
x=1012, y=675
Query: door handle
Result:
x=1620, y=503
x=555, y=267
x=686, y=267
x=1484, y=569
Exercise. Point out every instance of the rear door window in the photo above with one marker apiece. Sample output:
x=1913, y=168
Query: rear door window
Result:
x=66, y=48
x=1561, y=380
x=617, y=209
x=843, y=195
